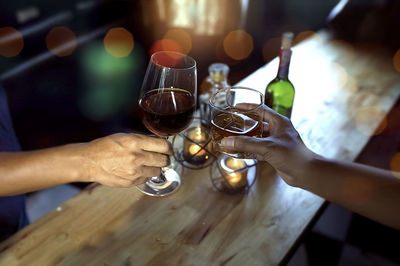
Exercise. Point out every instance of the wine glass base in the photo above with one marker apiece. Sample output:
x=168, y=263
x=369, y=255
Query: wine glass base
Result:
x=170, y=186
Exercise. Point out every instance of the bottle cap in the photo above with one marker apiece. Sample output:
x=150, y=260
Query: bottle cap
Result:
x=287, y=39
x=218, y=71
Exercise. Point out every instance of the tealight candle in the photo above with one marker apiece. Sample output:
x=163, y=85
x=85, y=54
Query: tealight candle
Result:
x=193, y=148
x=234, y=171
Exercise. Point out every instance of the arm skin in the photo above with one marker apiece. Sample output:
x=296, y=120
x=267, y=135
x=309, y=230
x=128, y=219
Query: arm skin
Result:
x=368, y=191
x=119, y=160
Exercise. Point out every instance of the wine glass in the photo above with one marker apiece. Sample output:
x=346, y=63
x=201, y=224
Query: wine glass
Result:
x=168, y=101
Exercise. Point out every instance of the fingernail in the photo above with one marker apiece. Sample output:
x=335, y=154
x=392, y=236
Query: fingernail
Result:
x=228, y=142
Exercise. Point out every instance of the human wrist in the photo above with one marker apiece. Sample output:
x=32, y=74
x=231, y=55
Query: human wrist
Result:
x=75, y=163
x=296, y=169
x=311, y=170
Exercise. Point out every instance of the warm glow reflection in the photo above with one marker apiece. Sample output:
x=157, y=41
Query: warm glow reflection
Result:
x=346, y=93
x=234, y=178
x=61, y=41
x=301, y=36
x=340, y=74
x=362, y=100
x=180, y=37
x=165, y=45
x=234, y=164
x=118, y=42
x=238, y=44
x=396, y=61
x=205, y=17
x=395, y=165
x=351, y=85
x=368, y=116
x=11, y=42
x=271, y=49
x=202, y=17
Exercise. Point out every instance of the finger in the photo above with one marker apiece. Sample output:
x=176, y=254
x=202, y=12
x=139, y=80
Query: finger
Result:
x=155, y=159
x=266, y=128
x=244, y=144
x=269, y=115
x=266, y=113
x=150, y=171
x=156, y=144
x=253, y=156
x=119, y=182
x=139, y=180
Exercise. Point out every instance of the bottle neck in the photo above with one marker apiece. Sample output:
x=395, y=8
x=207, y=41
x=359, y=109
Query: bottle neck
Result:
x=284, y=62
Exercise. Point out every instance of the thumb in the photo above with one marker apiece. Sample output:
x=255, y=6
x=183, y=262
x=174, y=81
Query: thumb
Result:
x=243, y=144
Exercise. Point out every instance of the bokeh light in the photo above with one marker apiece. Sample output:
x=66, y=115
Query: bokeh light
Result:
x=222, y=56
x=165, y=45
x=180, y=37
x=119, y=42
x=301, y=36
x=238, y=44
x=396, y=61
x=271, y=48
x=357, y=190
x=395, y=165
x=368, y=116
x=61, y=41
x=110, y=82
x=11, y=42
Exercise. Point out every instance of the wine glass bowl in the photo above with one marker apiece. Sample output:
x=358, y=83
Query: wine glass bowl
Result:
x=168, y=101
x=231, y=115
x=167, y=111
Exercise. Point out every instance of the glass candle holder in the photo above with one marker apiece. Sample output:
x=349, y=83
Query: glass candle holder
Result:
x=231, y=175
x=192, y=148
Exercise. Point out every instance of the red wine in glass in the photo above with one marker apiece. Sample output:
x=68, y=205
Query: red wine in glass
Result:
x=167, y=111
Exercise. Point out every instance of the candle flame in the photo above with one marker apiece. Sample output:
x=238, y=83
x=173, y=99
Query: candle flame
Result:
x=194, y=148
x=234, y=177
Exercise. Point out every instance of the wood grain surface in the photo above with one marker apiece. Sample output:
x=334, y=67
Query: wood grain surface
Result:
x=342, y=95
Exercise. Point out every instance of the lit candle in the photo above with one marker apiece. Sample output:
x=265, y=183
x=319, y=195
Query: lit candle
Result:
x=235, y=172
x=194, y=151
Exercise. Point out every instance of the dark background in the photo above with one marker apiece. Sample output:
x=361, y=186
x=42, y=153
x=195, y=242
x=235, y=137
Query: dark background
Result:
x=76, y=98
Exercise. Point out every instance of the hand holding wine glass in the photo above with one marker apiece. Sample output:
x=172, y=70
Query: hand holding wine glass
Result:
x=168, y=101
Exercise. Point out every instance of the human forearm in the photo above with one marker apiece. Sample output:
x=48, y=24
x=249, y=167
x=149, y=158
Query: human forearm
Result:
x=118, y=160
x=22, y=172
x=369, y=191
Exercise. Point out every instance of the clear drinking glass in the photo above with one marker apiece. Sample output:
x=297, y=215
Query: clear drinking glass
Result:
x=231, y=116
x=168, y=101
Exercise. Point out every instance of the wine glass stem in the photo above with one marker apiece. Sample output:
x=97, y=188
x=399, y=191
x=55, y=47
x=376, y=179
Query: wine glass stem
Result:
x=160, y=179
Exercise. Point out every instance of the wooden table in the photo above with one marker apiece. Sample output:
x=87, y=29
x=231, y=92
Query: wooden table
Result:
x=342, y=95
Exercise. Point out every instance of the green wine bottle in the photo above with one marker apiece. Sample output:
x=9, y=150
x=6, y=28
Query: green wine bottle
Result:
x=279, y=94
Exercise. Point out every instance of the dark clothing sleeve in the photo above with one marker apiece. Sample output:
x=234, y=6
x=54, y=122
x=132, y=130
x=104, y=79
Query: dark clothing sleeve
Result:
x=12, y=209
